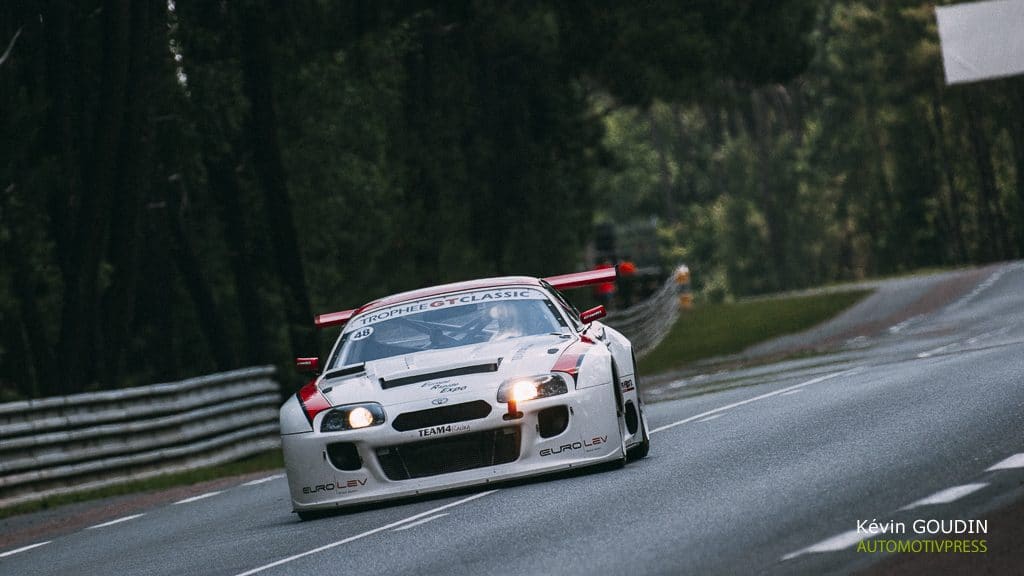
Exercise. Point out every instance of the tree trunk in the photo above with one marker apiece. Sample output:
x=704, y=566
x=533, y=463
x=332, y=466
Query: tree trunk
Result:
x=79, y=318
x=990, y=240
x=951, y=209
x=135, y=175
x=1016, y=110
x=224, y=187
x=38, y=355
x=61, y=125
x=259, y=89
x=881, y=216
x=211, y=320
x=658, y=141
x=761, y=133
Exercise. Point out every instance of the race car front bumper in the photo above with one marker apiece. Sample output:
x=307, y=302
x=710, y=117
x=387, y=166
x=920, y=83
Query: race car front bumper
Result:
x=326, y=470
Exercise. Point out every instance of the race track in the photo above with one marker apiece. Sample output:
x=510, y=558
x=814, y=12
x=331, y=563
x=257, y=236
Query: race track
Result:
x=767, y=471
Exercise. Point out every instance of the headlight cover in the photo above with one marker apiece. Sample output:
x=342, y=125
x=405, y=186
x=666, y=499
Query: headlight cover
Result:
x=353, y=417
x=529, y=387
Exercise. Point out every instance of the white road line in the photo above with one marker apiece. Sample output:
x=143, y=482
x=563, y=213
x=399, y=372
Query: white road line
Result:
x=938, y=350
x=200, y=497
x=999, y=332
x=418, y=522
x=24, y=548
x=262, y=480
x=754, y=399
x=367, y=533
x=118, y=521
x=946, y=496
x=896, y=329
x=792, y=392
x=833, y=544
x=984, y=285
x=709, y=418
x=1015, y=461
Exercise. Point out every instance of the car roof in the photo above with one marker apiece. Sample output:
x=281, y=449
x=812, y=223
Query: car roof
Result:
x=447, y=289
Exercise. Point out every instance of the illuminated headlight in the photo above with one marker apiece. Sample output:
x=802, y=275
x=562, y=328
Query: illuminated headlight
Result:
x=522, y=389
x=353, y=417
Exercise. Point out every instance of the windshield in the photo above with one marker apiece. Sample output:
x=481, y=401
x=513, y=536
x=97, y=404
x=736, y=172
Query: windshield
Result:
x=447, y=321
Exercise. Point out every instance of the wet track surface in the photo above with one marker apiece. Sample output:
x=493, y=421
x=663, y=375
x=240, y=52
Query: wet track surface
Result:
x=757, y=470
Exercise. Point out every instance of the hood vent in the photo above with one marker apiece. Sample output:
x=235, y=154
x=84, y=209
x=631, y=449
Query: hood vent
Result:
x=346, y=371
x=461, y=371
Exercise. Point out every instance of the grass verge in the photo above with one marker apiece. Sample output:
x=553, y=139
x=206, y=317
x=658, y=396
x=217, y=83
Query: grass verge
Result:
x=711, y=330
x=269, y=460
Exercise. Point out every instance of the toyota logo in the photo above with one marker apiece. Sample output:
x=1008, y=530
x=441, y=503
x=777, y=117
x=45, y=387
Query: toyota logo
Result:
x=439, y=401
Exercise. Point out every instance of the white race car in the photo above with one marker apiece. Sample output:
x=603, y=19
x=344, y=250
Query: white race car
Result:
x=457, y=385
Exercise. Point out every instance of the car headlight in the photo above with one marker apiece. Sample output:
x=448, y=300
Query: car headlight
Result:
x=353, y=417
x=522, y=389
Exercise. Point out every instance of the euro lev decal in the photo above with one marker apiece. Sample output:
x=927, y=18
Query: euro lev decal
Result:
x=336, y=485
x=588, y=444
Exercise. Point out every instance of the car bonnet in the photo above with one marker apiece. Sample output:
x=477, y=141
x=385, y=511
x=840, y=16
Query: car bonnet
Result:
x=466, y=372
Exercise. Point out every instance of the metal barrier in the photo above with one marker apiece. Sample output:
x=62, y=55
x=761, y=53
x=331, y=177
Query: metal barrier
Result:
x=75, y=443
x=646, y=324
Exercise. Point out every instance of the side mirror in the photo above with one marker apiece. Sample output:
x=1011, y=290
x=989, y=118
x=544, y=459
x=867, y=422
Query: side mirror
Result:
x=595, y=313
x=308, y=365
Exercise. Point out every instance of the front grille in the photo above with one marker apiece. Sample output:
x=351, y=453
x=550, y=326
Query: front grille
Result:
x=442, y=415
x=446, y=455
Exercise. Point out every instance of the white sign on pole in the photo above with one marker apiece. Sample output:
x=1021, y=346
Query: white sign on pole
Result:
x=982, y=40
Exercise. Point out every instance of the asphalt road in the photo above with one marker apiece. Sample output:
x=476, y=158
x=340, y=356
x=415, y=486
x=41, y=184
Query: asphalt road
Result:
x=762, y=470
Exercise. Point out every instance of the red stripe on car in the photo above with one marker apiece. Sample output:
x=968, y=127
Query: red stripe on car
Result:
x=312, y=400
x=572, y=357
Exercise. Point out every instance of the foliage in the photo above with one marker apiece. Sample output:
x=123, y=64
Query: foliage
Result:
x=863, y=164
x=185, y=183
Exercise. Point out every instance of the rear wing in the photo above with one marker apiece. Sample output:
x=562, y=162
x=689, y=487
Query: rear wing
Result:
x=333, y=318
x=561, y=282
x=579, y=279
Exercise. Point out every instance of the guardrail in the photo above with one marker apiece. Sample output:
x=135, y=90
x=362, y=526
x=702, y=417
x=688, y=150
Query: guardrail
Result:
x=75, y=443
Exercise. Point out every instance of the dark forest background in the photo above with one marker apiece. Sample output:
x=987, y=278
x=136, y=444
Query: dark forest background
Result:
x=184, y=184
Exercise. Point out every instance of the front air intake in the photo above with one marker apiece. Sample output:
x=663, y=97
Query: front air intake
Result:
x=344, y=456
x=452, y=454
x=442, y=415
x=552, y=421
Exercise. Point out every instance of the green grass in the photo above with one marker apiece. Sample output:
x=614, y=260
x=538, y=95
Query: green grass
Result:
x=269, y=460
x=710, y=330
